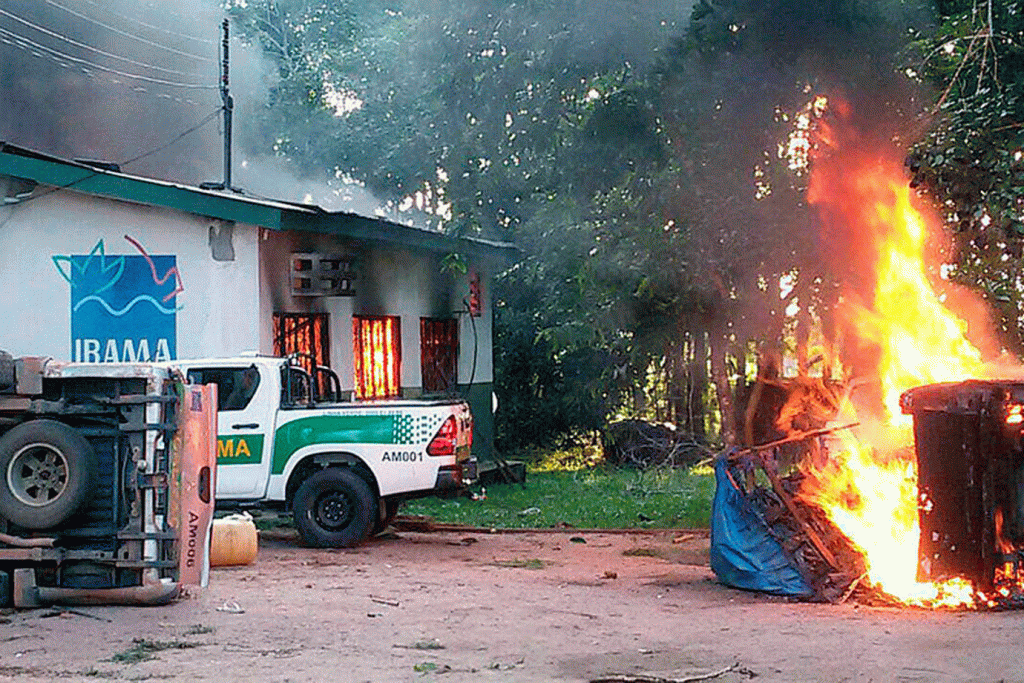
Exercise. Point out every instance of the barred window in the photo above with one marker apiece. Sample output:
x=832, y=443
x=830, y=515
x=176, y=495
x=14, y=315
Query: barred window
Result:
x=377, y=352
x=305, y=334
x=439, y=354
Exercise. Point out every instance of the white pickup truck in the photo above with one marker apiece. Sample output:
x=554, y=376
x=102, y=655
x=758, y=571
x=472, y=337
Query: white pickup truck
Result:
x=285, y=438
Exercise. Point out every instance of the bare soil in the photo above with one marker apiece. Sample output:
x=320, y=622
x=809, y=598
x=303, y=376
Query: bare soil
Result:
x=560, y=606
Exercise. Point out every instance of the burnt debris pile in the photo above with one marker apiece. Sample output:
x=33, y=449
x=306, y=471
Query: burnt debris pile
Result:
x=765, y=537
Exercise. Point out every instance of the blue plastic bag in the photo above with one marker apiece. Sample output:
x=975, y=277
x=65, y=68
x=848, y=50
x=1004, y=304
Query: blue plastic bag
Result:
x=744, y=554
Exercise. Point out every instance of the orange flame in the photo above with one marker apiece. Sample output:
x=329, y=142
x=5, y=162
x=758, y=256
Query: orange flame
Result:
x=903, y=336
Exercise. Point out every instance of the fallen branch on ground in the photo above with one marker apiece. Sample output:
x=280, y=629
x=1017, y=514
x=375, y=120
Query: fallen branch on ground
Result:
x=641, y=678
x=426, y=524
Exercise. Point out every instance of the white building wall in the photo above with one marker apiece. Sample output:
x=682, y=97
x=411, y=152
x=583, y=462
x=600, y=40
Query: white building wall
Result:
x=46, y=243
x=390, y=281
x=476, y=361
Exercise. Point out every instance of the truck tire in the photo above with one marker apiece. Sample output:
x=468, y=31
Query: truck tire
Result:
x=7, y=378
x=47, y=470
x=334, y=508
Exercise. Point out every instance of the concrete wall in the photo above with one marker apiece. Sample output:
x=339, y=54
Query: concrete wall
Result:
x=129, y=280
x=389, y=281
x=396, y=282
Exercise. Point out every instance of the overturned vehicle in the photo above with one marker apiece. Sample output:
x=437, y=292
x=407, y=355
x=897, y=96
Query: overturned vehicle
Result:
x=960, y=518
x=106, y=481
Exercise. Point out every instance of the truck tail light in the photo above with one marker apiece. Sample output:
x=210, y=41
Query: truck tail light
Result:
x=444, y=441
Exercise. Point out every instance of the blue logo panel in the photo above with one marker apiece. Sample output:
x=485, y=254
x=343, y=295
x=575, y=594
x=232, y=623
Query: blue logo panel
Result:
x=124, y=307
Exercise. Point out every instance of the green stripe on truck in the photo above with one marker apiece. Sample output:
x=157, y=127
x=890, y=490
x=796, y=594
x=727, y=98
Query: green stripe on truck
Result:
x=335, y=429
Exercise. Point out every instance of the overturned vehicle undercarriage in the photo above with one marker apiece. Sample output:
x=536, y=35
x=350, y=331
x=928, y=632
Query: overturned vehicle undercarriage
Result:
x=106, y=480
x=968, y=467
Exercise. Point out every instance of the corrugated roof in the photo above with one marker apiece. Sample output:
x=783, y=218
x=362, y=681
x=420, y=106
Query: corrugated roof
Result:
x=95, y=179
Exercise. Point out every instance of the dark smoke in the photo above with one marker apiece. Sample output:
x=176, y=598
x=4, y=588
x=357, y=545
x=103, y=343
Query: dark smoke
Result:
x=92, y=79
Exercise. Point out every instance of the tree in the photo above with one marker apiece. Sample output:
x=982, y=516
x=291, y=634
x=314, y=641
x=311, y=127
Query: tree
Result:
x=970, y=160
x=735, y=88
x=640, y=176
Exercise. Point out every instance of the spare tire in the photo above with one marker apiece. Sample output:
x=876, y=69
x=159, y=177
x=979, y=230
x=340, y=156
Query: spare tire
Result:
x=7, y=378
x=46, y=472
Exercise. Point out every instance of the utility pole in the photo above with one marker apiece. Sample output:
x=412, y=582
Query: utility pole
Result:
x=228, y=107
x=229, y=104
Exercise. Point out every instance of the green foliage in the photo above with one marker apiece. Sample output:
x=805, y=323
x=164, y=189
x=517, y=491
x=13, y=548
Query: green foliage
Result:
x=970, y=160
x=586, y=499
x=306, y=41
x=631, y=151
x=518, y=563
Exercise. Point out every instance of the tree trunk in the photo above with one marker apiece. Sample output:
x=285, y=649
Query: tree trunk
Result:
x=828, y=337
x=698, y=384
x=720, y=376
x=803, y=335
x=675, y=376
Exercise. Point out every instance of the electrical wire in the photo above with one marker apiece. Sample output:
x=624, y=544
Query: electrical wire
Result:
x=193, y=129
x=87, y=63
x=126, y=34
x=94, y=173
x=72, y=41
x=476, y=342
x=91, y=74
x=151, y=27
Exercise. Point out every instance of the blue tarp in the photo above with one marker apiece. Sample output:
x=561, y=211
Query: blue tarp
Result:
x=744, y=554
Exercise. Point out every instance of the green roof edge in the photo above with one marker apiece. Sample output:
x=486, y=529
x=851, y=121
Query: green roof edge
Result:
x=272, y=214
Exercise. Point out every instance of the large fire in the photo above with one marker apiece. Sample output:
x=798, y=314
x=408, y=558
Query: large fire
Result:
x=893, y=313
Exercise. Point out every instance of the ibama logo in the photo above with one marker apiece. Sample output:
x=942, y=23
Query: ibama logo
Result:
x=123, y=307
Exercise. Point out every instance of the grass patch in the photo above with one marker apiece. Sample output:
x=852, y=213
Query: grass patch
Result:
x=591, y=498
x=432, y=644
x=96, y=673
x=143, y=649
x=271, y=521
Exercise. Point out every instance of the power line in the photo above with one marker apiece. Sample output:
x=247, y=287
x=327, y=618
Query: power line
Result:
x=85, y=17
x=57, y=60
x=209, y=117
x=94, y=173
x=160, y=29
x=87, y=63
x=54, y=34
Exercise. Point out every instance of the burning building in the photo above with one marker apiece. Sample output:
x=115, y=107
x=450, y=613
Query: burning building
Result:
x=104, y=266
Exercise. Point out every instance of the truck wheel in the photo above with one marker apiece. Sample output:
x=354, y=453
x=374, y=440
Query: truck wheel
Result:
x=334, y=508
x=47, y=469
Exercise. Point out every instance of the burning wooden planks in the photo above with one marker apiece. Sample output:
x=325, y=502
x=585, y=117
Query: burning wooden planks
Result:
x=822, y=555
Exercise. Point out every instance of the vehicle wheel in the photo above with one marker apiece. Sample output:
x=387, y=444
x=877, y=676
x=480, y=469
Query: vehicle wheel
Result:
x=47, y=469
x=334, y=508
x=391, y=507
x=7, y=378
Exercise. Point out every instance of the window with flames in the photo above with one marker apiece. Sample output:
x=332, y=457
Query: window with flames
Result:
x=377, y=352
x=439, y=353
x=305, y=334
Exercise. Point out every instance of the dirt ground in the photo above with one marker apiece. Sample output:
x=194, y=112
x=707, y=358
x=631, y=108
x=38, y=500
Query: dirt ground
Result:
x=562, y=606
